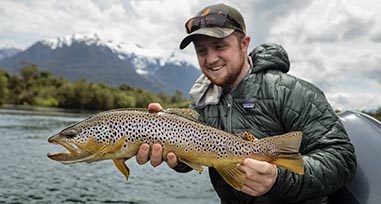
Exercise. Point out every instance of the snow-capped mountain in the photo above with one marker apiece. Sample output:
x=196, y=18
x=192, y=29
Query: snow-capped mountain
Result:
x=87, y=56
x=8, y=51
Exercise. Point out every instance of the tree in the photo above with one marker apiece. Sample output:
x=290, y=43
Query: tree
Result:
x=3, y=89
x=16, y=86
x=177, y=97
x=29, y=71
x=81, y=93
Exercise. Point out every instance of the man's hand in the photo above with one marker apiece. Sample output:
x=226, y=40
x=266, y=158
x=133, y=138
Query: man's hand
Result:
x=260, y=176
x=155, y=153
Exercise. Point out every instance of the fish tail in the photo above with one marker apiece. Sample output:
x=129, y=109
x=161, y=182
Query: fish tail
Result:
x=286, y=155
x=287, y=146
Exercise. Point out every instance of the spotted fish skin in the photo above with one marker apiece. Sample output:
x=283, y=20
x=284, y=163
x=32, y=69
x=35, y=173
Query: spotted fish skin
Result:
x=117, y=135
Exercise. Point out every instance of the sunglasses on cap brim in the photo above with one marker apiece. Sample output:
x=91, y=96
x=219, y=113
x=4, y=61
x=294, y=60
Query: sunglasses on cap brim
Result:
x=212, y=20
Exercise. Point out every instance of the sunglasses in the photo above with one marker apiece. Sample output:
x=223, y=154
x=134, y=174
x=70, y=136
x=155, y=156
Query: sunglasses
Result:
x=212, y=20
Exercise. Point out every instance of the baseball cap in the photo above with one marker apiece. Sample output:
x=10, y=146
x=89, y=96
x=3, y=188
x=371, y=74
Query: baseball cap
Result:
x=218, y=21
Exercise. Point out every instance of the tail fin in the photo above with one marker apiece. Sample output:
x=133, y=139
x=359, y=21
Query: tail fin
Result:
x=288, y=151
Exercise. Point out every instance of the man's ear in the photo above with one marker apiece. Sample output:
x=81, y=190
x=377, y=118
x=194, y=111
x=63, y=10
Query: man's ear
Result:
x=245, y=42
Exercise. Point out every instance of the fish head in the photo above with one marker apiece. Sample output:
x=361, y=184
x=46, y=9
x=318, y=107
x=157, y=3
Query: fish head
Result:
x=90, y=140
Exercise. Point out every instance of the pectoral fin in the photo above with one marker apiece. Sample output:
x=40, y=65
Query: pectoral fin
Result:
x=233, y=175
x=121, y=166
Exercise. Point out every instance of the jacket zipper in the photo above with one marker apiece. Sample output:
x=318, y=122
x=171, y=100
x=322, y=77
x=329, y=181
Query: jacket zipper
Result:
x=228, y=122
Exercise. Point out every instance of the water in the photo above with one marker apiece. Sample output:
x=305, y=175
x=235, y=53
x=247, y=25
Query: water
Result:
x=28, y=176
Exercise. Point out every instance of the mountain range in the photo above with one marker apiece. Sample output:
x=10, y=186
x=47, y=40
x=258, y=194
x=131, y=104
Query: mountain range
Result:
x=86, y=56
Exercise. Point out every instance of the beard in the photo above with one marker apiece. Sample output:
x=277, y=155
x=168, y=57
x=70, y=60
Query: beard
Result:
x=231, y=75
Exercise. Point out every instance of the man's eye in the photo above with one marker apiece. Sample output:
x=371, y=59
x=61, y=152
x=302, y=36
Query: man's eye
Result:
x=220, y=46
x=200, y=51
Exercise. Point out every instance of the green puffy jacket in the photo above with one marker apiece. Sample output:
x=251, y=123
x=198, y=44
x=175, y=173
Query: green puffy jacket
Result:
x=267, y=102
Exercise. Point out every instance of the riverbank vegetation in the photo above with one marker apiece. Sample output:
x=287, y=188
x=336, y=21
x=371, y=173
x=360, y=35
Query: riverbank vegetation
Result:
x=376, y=114
x=35, y=87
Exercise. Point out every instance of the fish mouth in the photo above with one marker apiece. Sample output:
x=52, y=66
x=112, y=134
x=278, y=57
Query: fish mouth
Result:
x=73, y=155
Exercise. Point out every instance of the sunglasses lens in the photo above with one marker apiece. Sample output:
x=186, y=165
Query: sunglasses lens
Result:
x=189, y=25
x=211, y=20
x=215, y=20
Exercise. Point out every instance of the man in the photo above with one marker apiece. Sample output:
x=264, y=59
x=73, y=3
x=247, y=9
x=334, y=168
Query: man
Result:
x=238, y=94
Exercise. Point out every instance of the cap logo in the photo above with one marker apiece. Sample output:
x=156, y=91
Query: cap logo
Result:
x=206, y=12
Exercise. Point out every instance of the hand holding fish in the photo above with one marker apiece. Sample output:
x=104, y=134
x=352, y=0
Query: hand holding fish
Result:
x=260, y=176
x=156, y=157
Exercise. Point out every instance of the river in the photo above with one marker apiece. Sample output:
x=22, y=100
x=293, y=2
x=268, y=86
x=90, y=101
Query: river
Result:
x=28, y=176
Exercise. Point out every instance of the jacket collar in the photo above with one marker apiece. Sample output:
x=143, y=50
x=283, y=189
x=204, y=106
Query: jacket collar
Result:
x=205, y=93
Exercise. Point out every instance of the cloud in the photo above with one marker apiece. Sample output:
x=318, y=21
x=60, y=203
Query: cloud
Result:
x=310, y=64
x=368, y=65
x=325, y=21
x=375, y=35
x=143, y=22
x=349, y=101
x=335, y=45
x=260, y=16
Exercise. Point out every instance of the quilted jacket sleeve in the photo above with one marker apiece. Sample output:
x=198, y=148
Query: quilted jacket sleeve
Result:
x=328, y=155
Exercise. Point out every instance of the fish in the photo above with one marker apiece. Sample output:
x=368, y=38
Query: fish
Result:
x=117, y=135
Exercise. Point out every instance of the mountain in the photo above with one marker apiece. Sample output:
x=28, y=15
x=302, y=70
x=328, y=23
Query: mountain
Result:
x=7, y=51
x=87, y=56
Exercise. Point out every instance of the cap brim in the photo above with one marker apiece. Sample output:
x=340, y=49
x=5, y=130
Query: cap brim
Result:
x=211, y=32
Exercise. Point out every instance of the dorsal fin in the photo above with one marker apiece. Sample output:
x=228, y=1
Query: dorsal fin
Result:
x=123, y=109
x=248, y=136
x=183, y=112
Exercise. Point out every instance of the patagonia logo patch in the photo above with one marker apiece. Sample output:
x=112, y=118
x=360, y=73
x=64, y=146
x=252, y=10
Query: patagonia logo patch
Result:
x=248, y=104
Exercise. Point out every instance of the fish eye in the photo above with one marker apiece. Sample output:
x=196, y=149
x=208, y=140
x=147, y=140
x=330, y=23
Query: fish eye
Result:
x=70, y=133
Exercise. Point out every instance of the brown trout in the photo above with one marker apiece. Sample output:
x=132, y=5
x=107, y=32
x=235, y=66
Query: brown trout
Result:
x=117, y=135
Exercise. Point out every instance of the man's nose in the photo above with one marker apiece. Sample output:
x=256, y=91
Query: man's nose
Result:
x=212, y=57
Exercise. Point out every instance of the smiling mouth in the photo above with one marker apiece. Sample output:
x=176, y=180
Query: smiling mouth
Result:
x=216, y=68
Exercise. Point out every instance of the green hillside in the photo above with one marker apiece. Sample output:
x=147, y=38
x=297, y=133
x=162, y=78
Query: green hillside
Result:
x=40, y=88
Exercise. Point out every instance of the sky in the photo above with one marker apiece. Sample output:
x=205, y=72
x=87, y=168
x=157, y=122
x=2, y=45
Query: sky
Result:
x=335, y=44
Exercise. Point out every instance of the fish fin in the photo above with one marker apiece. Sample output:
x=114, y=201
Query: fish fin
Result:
x=294, y=165
x=122, y=167
x=194, y=166
x=288, y=151
x=184, y=112
x=248, y=136
x=117, y=145
x=111, y=149
x=233, y=175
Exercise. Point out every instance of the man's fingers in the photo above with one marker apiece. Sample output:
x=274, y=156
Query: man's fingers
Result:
x=143, y=154
x=260, y=176
x=250, y=191
x=154, y=107
x=260, y=167
x=156, y=156
x=172, y=160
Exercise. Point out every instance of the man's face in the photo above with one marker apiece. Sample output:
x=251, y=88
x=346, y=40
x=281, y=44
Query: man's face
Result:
x=223, y=61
